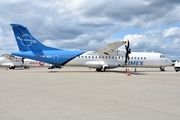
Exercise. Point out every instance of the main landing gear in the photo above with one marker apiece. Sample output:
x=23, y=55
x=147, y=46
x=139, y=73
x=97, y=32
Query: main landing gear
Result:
x=12, y=67
x=103, y=69
x=162, y=68
x=53, y=66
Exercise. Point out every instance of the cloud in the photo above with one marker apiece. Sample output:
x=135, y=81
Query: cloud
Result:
x=90, y=25
x=173, y=32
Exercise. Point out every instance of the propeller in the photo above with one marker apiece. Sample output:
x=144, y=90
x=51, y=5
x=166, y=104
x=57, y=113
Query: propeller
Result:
x=128, y=51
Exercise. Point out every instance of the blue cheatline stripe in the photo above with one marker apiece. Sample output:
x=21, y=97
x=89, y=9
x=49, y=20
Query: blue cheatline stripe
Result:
x=72, y=58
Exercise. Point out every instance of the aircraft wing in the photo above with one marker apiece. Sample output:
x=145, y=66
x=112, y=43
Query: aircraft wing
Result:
x=7, y=56
x=110, y=48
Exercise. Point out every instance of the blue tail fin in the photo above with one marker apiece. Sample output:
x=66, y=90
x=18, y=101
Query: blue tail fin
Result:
x=26, y=42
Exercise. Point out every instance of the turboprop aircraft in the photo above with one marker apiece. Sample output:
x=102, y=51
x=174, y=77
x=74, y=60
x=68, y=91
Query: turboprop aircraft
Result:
x=105, y=58
x=13, y=62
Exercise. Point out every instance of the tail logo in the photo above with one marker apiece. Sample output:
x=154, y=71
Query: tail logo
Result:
x=26, y=40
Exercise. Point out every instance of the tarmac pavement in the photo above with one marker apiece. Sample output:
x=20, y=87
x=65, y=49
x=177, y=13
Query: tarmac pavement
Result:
x=74, y=93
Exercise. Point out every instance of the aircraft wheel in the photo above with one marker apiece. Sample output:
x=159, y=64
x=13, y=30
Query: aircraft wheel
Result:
x=50, y=67
x=98, y=70
x=11, y=67
x=162, y=69
x=103, y=69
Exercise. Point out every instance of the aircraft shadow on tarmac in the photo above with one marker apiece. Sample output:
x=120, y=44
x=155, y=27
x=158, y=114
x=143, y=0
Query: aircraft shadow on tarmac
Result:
x=107, y=71
x=125, y=72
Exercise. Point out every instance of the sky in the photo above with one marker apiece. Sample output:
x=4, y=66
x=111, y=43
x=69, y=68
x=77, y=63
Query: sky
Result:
x=149, y=25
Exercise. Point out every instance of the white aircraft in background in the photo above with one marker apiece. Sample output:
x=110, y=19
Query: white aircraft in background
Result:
x=107, y=57
x=13, y=62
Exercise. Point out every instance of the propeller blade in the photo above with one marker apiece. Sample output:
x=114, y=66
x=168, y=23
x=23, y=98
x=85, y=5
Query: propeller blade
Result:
x=128, y=51
x=128, y=44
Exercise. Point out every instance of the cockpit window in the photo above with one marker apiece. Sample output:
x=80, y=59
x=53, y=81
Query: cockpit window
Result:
x=162, y=56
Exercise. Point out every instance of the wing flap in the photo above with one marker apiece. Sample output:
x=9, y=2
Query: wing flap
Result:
x=110, y=48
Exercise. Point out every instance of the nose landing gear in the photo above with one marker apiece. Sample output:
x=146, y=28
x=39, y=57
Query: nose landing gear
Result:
x=162, y=68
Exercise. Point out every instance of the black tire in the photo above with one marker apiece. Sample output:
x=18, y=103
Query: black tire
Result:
x=103, y=69
x=98, y=70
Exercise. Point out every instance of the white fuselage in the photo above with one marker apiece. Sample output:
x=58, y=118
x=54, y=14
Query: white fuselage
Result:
x=93, y=60
x=137, y=59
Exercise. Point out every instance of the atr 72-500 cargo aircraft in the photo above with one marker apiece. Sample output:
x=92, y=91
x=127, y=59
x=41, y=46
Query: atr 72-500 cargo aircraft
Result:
x=105, y=58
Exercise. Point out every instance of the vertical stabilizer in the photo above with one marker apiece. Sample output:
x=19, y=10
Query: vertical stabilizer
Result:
x=26, y=42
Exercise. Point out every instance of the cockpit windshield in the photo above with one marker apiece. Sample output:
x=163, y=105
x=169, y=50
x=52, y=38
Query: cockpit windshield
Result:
x=162, y=56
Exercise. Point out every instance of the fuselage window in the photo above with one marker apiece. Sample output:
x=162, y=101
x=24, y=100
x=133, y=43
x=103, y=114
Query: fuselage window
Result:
x=89, y=56
x=141, y=57
x=144, y=57
x=134, y=57
x=131, y=57
x=99, y=56
x=112, y=57
x=138, y=58
x=102, y=57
